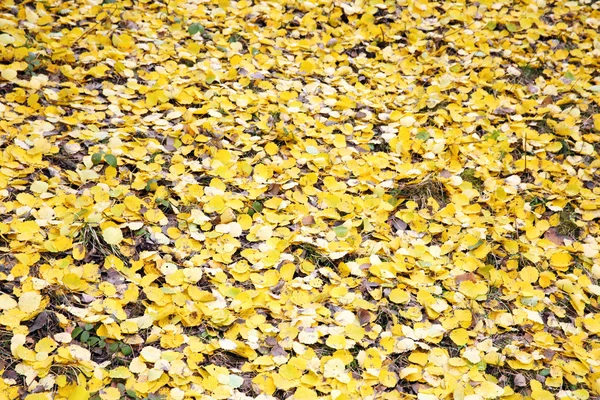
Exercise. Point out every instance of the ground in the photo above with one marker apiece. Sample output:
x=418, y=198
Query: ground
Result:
x=295, y=199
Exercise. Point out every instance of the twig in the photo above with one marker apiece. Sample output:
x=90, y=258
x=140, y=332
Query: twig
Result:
x=525, y=152
x=84, y=34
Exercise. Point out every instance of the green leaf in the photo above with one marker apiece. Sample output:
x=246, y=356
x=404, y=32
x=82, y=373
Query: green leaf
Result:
x=494, y=135
x=126, y=349
x=131, y=393
x=254, y=51
x=93, y=340
x=150, y=183
x=511, y=27
x=76, y=332
x=140, y=232
x=85, y=335
x=88, y=327
x=163, y=202
x=195, y=28
x=113, y=347
x=422, y=135
x=111, y=160
x=545, y=372
x=491, y=25
x=340, y=230
x=257, y=206
x=96, y=158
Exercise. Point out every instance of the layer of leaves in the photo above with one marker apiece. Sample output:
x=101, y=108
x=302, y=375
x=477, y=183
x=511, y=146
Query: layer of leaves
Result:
x=345, y=200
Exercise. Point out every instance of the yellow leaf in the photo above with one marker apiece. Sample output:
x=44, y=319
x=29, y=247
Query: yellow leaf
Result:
x=290, y=372
x=9, y=74
x=110, y=393
x=38, y=396
x=30, y=302
x=388, y=378
x=399, y=296
x=79, y=393
x=63, y=243
x=538, y=393
x=336, y=369
x=304, y=393
x=72, y=281
x=112, y=235
x=307, y=66
x=529, y=274
x=120, y=373
x=79, y=252
x=46, y=345
x=560, y=260
x=151, y=354
x=460, y=336
x=473, y=290
x=39, y=187
x=7, y=302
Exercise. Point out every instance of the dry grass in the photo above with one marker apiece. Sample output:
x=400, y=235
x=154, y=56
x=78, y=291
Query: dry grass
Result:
x=421, y=192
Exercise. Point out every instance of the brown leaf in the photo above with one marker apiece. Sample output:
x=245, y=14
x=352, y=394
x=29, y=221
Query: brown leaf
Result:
x=469, y=276
x=40, y=321
x=549, y=354
x=277, y=288
x=364, y=316
x=554, y=237
x=308, y=220
x=520, y=380
x=504, y=111
x=398, y=224
x=277, y=350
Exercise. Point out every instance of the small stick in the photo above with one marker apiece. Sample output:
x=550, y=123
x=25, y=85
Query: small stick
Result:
x=84, y=34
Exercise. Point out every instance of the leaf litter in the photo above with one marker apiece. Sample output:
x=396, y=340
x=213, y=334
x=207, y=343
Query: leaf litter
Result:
x=299, y=200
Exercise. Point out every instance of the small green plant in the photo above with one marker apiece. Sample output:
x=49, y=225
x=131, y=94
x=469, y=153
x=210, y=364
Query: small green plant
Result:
x=235, y=38
x=423, y=135
x=195, y=28
x=255, y=208
x=111, y=160
x=536, y=201
x=125, y=394
x=33, y=62
x=84, y=334
x=151, y=185
x=87, y=335
x=163, y=203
